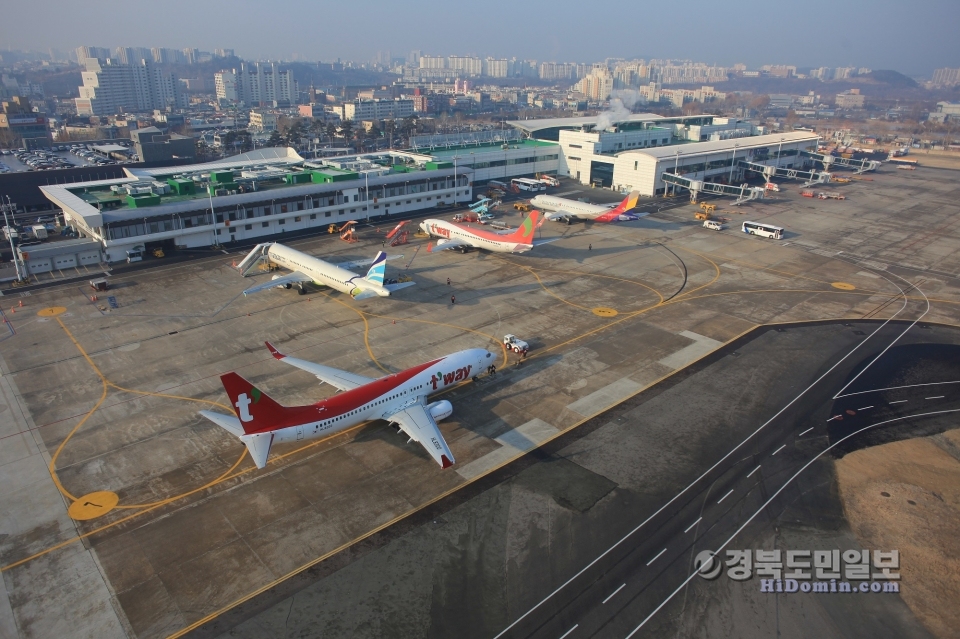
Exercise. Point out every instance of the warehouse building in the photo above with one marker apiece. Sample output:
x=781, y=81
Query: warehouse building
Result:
x=256, y=195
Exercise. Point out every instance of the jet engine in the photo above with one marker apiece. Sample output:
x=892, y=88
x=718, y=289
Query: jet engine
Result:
x=277, y=277
x=440, y=410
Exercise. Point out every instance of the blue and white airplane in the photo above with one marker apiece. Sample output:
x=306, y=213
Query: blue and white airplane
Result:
x=306, y=268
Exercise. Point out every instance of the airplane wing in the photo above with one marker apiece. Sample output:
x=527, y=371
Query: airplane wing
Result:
x=290, y=278
x=420, y=426
x=333, y=376
x=356, y=263
x=449, y=244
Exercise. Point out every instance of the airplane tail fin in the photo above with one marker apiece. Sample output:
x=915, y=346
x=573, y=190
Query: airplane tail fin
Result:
x=256, y=411
x=524, y=234
x=378, y=269
x=628, y=202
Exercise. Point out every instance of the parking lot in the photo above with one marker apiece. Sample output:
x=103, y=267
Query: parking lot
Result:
x=59, y=157
x=107, y=393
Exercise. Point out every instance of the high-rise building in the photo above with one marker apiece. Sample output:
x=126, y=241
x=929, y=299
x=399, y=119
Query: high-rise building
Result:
x=131, y=55
x=495, y=68
x=110, y=87
x=946, y=77
x=223, y=53
x=598, y=85
x=259, y=84
x=91, y=52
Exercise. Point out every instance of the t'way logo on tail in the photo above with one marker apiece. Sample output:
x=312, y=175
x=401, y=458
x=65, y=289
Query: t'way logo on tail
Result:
x=524, y=234
x=443, y=379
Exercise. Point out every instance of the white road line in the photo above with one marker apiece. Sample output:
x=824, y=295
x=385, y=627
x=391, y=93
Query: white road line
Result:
x=693, y=524
x=877, y=390
x=753, y=471
x=725, y=496
x=569, y=631
x=900, y=401
x=770, y=500
x=613, y=593
x=804, y=433
x=835, y=417
x=937, y=397
x=706, y=472
x=865, y=408
x=657, y=557
x=778, y=450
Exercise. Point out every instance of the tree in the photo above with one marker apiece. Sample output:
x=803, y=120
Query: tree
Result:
x=276, y=139
x=346, y=129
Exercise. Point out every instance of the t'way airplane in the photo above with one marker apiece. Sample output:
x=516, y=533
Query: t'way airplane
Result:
x=564, y=210
x=400, y=398
x=306, y=268
x=463, y=237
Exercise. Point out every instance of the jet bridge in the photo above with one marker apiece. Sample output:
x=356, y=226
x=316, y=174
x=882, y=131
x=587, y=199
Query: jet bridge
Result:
x=811, y=177
x=859, y=166
x=743, y=193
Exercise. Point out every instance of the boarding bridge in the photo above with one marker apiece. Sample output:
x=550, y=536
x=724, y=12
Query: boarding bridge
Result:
x=257, y=256
x=859, y=166
x=811, y=177
x=743, y=193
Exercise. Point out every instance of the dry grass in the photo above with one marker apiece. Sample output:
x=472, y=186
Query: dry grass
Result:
x=920, y=518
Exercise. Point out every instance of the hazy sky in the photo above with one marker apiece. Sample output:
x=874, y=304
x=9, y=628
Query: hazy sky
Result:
x=911, y=36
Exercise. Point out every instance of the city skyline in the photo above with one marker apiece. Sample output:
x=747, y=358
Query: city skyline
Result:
x=819, y=34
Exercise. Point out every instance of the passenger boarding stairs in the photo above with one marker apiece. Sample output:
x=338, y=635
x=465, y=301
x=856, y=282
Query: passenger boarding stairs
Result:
x=743, y=193
x=769, y=172
x=254, y=258
x=859, y=166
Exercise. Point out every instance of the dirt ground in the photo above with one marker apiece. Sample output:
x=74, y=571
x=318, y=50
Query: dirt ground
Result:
x=906, y=496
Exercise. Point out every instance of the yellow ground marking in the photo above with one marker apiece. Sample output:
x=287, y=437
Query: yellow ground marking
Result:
x=53, y=311
x=843, y=286
x=93, y=505
x=227, y=475
x=602, y=311
x=123, y=519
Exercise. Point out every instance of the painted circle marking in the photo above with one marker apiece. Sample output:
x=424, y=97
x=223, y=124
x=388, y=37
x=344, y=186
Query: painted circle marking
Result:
x=602, y=311
x=843, y=286
x=93, y=505
x=52, y=311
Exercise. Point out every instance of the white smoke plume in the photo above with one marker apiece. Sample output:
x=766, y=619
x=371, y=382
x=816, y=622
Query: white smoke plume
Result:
x=622, y=102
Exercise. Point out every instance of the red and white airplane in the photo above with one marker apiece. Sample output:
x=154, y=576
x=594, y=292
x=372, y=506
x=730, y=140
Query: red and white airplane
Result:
x=462, y=236
x=400, y=398
x=561, y=209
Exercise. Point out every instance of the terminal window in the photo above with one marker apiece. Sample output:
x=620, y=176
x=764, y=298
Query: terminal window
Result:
x=265, y=224
x=248, y=227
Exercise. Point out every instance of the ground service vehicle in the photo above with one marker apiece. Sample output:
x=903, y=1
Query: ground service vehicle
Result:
x=763, y=230
x=712, y=225
x=514, y=343
x=770, y=186
x=523, y=207
x=702, y=215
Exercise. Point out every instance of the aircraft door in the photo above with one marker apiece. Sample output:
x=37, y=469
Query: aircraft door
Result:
x=299, y=433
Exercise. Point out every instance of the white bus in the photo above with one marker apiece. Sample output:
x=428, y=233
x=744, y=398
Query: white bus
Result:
x=526, y=184
x=763, y=230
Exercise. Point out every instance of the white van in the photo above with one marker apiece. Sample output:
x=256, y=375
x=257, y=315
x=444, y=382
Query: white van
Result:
x=713, y=225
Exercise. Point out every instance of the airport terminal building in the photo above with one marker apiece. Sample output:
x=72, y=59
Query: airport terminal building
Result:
x=265, y=193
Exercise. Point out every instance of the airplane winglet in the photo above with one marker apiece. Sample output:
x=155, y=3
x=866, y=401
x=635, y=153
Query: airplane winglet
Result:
x=273, y=351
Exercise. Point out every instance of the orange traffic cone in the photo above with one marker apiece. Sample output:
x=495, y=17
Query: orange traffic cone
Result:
x=20, y=304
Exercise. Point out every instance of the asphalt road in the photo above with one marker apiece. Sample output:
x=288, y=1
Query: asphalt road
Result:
x=704, y=460
x=911, y=390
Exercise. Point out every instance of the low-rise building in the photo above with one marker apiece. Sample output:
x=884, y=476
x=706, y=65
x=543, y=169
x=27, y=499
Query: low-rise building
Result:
x=261, y=121
x=946, y=111
x=154, y=145
x=20, y=122
x=851, y=99
x=360, y=109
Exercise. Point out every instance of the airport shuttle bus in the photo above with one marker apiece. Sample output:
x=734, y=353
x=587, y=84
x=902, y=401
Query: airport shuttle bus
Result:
x=526, y=184
x=763, y=230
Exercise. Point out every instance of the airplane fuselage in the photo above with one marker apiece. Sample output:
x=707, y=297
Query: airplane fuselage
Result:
x=322, y=273
x=574, y=207
x=476, y=238
x=376, y=400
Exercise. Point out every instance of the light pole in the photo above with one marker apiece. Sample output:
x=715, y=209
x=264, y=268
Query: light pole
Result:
x=733, y=162
x=779, y=148
x=455, y=158
x=366, y=194
x=13, y=251
x=213, y=214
